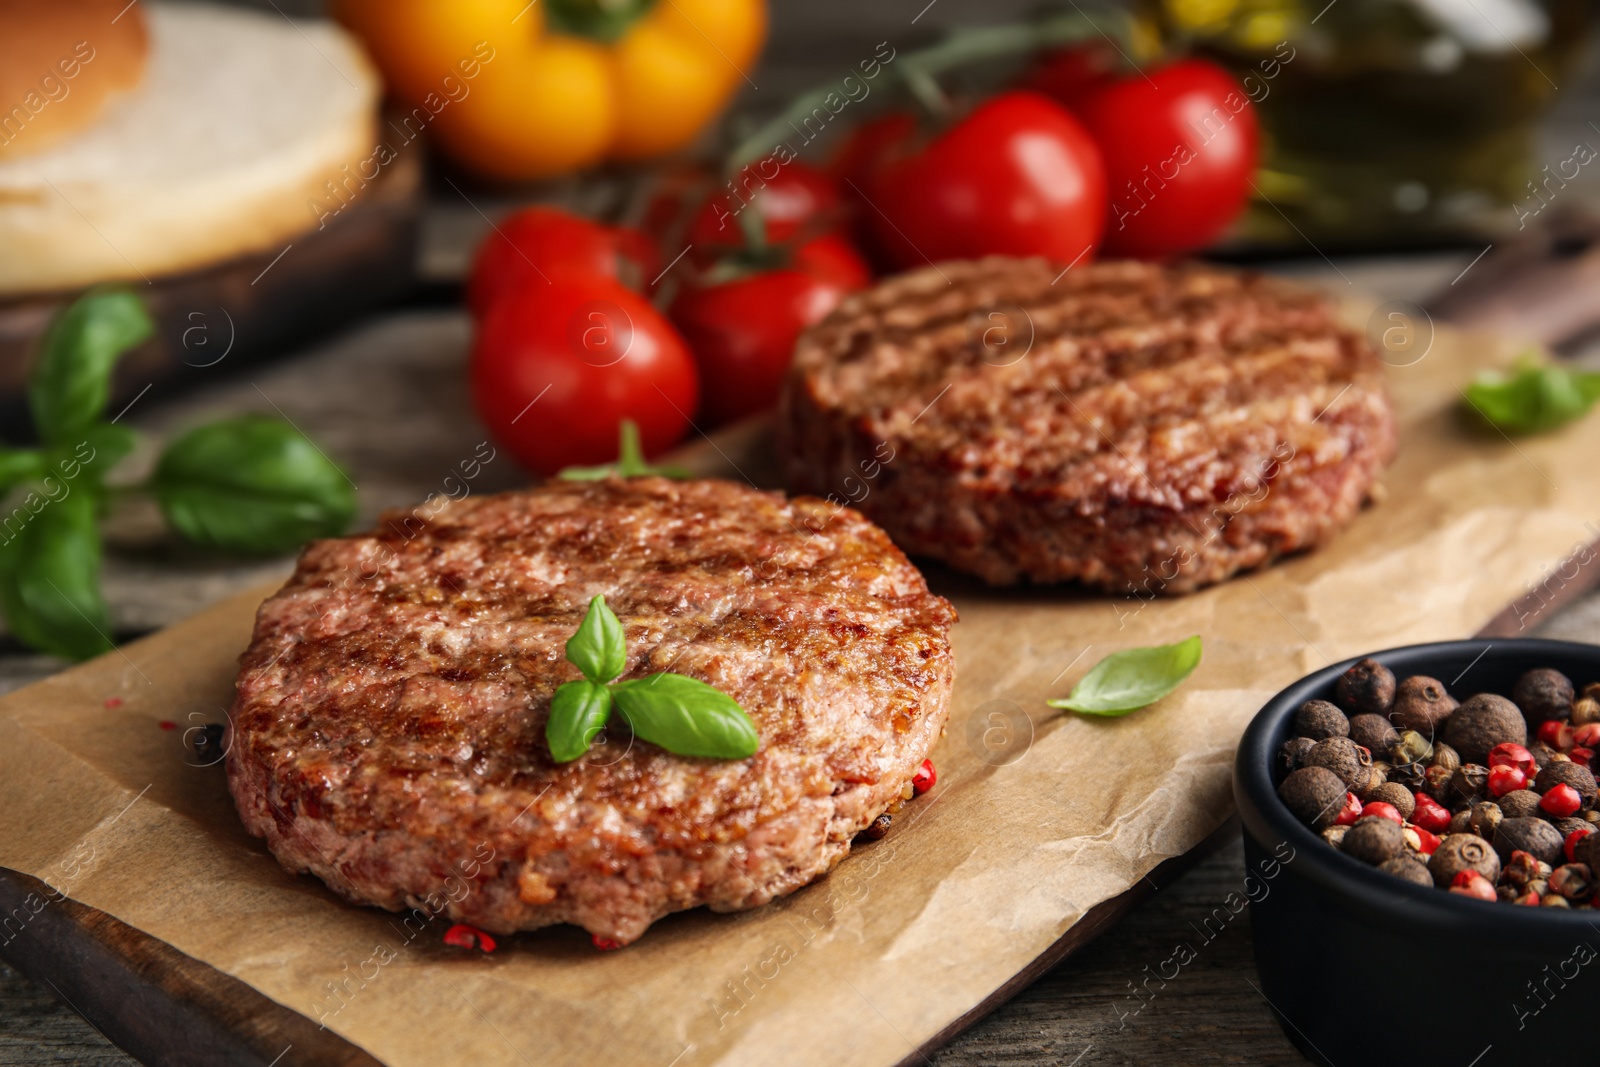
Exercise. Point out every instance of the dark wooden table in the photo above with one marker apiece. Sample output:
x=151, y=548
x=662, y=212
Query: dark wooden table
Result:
x=387, y=400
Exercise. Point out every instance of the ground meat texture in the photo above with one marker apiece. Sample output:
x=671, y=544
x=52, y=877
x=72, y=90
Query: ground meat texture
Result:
x=388, y=729
x=1145, y=428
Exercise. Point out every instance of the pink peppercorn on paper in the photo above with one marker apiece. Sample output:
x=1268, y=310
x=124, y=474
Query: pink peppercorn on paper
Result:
x=1037, y=816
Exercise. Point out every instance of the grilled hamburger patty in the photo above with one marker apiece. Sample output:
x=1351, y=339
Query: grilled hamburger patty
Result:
x=1138, y=427
x=388, y=729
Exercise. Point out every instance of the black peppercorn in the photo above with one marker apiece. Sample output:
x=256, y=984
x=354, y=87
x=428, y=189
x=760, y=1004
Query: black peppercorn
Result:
x=1421, y=704
x=1579, y=777
x=1411, y=775
x=877, y=829
x=1366, y=688
x=1319, y=720
x=1373, y=840
x=1395, y=794
x=1373, y=732
x=1482, y=722
x=1543, y=694
x=1315, y=795
x=1520, y=804
x=1292, y=756
x=1466, y=783
x=1575, y=881
x=1463, y=852
x=1534, y=836
x=1343, y=757
x=1408, y=868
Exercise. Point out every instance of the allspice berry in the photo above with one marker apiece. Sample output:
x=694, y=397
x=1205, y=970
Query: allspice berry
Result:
x=1366, y=688
x=1421, y=704
x=1534, y=836
x=1315, y=795
x=1520, y=804
x=1292, y=756
x=1579, y=777
x=1543, y=694
x=1373, y=732
x=1461, y=822
x=1587, y=851
x=1463, y=852
x=1395, y=794
x=1566, y=827
x=1482, y=722
x=1409, y=869
x=1319, y=720
x=1344, y=758
x=1542, y=753
x=1373, y=840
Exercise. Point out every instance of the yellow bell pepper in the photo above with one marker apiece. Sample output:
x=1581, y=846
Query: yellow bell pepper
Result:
x=516, y=89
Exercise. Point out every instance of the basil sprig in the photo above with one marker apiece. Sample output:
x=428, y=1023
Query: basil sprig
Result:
x=683, y=715
x=251, y=485
x=1534, y=399
x=1132, y=679
x=630, y=461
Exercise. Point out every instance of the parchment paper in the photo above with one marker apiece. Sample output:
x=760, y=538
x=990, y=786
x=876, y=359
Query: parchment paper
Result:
x=1037, y=817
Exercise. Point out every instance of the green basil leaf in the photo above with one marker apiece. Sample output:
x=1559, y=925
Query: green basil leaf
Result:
x=1534, y=399
x=578, y=711
x=630, y=461
x=71, y=382
x=18, y=465
x=599, y=649
x=101, y=447
x=686, y=716
x=1132, y=679
x=251, y=484
x=50, y=576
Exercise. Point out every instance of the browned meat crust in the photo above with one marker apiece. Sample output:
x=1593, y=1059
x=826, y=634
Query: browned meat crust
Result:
x=388, y=729
x=1167, y=427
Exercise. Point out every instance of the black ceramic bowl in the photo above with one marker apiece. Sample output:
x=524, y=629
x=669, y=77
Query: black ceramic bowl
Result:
x=1361, y=968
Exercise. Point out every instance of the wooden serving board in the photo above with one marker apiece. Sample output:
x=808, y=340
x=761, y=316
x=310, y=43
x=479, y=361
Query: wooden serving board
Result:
x=1006, y=868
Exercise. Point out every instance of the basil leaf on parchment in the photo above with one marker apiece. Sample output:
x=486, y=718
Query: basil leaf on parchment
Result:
x=1132, y=679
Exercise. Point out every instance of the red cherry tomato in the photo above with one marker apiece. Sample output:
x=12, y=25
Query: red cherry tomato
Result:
x=792, y=198
x=1180, y=145
x=743, y=331
x=868, y=146
x=557, y=366
x=541, y=244
x=1018, y=176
